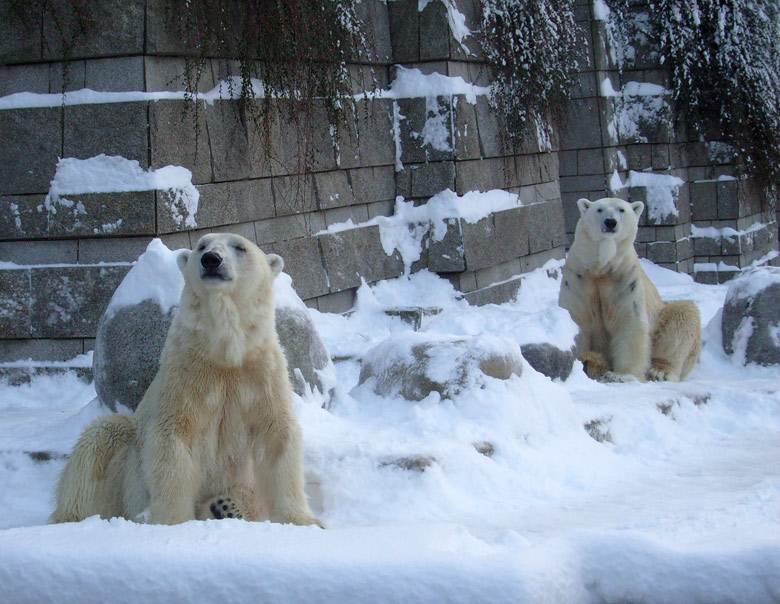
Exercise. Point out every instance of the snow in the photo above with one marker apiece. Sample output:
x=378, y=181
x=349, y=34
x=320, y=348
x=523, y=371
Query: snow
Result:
x=661, y=191
x=679, y=500
x=115, y=174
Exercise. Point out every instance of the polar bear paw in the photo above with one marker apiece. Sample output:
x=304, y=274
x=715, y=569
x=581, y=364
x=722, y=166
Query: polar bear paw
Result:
x=617, y=378
x=225, y=507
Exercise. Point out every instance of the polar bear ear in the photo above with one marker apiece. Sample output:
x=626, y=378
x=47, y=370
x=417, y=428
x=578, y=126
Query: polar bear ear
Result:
x=638, y=207
x=583, y=204
x=182, y=258
x=276, y=263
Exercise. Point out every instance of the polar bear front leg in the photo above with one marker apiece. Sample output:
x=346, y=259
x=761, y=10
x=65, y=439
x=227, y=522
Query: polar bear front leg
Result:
x=279, y=476
x=630, y=352
x=173, y=481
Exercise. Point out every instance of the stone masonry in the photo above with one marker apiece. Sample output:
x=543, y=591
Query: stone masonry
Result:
x=61, y=261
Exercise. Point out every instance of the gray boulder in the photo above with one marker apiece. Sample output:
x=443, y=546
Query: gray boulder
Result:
x=750, y=323
x=549, y=360
x=412, y=365
x=132, y=331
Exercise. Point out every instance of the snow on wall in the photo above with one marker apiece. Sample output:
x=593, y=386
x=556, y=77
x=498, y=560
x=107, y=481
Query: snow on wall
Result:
x=115, y=174
x=661, y=191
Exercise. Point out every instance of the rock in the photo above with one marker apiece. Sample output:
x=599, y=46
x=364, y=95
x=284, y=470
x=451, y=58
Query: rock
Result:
x=549, y=360
x=750, y=323
x=415, y=463
x=131, y=332
x=413, y=365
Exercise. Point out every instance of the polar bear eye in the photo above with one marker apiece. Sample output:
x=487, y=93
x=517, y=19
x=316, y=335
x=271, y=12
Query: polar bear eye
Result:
x=600, y=210
x=240, y=248
x=201, y=247
x=622, y=210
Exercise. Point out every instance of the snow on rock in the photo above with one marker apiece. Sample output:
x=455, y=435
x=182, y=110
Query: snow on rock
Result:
x=661, y=192
x=751, y=317
x=115, y=174
x=679, y=504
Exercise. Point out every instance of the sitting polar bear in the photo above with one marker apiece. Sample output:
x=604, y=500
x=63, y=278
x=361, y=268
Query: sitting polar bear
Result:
x=215, y=435
x=625, y=328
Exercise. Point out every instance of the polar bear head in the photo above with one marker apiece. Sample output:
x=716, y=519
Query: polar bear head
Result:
x=227, y=305
x=228, y=263
x=610, y=218
x=610, y=224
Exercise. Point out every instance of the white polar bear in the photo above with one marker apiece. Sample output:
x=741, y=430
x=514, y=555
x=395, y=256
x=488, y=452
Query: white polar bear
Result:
x=625, y=328
x=215, y=435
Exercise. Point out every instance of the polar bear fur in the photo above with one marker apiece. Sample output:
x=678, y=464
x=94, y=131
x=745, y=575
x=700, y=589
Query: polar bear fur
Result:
x=626, y=330
x=215, y=434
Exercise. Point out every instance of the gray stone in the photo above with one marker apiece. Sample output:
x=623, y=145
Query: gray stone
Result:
x=130, y=341
x=448, y=254
x=229, y=141
x=39, y=350
x=109, y=128
x=68, y=301
x=430, y=178
x=307, y=358
x=413, y=365
x=466, y=130
x=404, y=30
x=413, y=315
x=333, y=189
x=434, y=32
x=179, y=137
x=40, y=252
x=414, y=463
x=30, y=147
x=549, y=360
x=751, y=315
x=102, y=214
x=20, y=32
x=374, y=15
x=373, y=184
x=14, y=303
x=24, y=78
x=127, y=353
x=356, y=254
x=303, y=262
x=294, y=194
x=495, y=293
x=120, y=74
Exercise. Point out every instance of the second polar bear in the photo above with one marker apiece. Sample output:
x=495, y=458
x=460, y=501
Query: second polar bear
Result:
x=215, y=435
x=625, y=328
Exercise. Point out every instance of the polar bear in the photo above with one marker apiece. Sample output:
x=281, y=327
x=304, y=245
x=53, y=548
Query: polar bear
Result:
x=626, y=330
x=215, y=435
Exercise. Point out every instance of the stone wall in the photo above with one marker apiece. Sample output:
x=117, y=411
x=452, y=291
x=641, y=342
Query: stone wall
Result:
x=623, y=138
x=63, y=257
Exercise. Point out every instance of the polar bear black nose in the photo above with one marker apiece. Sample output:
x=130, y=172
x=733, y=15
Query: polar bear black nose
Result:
x=610, y=223
x=210, y=260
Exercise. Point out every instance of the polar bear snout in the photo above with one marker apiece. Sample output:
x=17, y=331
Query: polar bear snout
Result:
x=609, y=225
x=212, y=266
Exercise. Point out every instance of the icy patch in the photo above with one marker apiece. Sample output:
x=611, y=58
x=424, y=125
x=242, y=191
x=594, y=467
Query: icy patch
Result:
x=661, y=191
x=412, y=84
x=115, y=174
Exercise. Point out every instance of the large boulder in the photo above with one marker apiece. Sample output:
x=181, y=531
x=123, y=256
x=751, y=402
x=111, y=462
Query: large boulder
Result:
x=132, y=331
x=750, y=323
x=412, y=365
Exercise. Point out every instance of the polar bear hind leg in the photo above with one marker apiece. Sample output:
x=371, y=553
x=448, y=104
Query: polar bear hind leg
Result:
x=676, y=342
x=92, y=481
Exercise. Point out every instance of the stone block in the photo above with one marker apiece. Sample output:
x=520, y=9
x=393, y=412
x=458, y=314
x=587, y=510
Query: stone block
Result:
x=357, y=253
x=549, y=360
x=289, y=227
x=22, y=216
x=373, y=184
x=639, y=157
x=498, y=293
x=30, y=147
x=67, y=76
x=426, y=133
x=728, y=199
x=117, y=74
x=40, y=350
x=294, y=194
x=466, y=130
x=113, y=129
x=434, y=32
x=662, y=252
x=365, y=135
x=493, y=140
x=300, y=142
x=67, y=302
x=356, y=214
x=512, y=230
x=20, y=32
x=404, y=30
x=447, y=255
x=23, y=78
x=333, y=189
x=120, y=29
x=115, y=249
x=704, y=201
x=536, y=218
x=303, y=262
x=481, y=247
x=39, y=252
x=567, y=163
x=661, y=157
x=337, y=302
x=15, y=303
x=583, y=184
x=102, y=214
x=225, y=203
x=582, y=126
x=486, y=174
x=228, y=139
x=431, y=178
x=590, y=161
x=178, y=137
x=374, y=15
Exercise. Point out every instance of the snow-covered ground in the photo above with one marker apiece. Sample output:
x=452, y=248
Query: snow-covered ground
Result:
x=678, y=500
